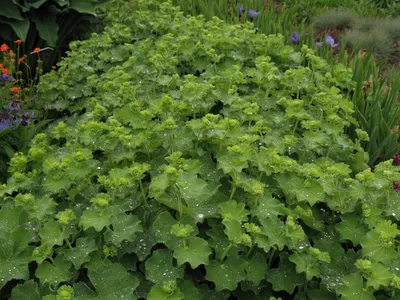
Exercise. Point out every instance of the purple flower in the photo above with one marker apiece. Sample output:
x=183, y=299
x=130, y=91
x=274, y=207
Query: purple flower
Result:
x=330, y=41
x=253, y=13
x=25, y=118
x=240, y=10
x=13, y=105
x=5, y=121
x=295, y=37
x=5, y=77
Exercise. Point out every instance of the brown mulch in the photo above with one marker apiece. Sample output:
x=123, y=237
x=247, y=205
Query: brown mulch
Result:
x=278, y=4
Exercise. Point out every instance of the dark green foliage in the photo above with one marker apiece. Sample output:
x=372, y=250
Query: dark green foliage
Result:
x=384, y=3
x=42, y=23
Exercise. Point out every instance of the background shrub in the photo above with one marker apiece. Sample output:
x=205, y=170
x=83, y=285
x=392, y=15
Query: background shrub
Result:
x=335, y=19
x=366, y=24
x=376, y=41
x=391, y=27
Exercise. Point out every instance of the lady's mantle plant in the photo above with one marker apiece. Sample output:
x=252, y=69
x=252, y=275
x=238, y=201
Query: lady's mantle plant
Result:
x=201, y=160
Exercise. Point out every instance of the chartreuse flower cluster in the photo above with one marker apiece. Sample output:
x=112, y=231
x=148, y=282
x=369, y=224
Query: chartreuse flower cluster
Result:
x=199, y=161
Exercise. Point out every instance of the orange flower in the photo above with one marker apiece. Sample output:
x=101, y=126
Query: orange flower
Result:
x=21, y=60
x=36, y=50
x=14, y=90
x=53, y=67
x=4, y=47
x=5, y=71
x=18, y=41
x=1, y=66
x=11, y=53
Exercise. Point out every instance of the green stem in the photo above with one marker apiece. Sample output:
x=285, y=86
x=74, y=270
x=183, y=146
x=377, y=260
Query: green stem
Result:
x=233, y=192
x=251, y=249
x=271, y=256
x=225, y=252
x=92, y=186
x=387, y=199
x=66, y=239
x=113, y=195
x=234, y=180
x=142, y=191
x=52, y=260
x=295, y=126
x=68, y=243
x=180, y=204
x=71, y=199
x=260, y=176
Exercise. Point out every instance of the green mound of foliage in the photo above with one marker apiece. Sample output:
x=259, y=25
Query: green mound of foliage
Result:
x=198, y=160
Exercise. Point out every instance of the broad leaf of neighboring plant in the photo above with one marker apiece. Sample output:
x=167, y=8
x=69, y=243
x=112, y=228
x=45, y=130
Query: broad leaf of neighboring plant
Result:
x=226, y=275
x=80, y=253
x=285, y=277
x=102, y=278
x=15, y=251
x=159, y=268
x=27, y=290
x=353, y=288
x=196, y=253
x=54, y=273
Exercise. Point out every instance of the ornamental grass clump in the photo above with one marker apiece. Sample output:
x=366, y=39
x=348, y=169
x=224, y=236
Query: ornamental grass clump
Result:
x=197, y=160
x=376, y=41
x=366, y=24
x=390, y=27
x=334, y=19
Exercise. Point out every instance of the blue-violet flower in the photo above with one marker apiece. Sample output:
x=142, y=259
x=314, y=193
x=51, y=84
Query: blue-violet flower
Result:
x=14, y=104
x=295, y=37
x=330, y=41
x=240, y=10
x=253, y=13
x=25, y=118
x=5, y=77
x=5, y=121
